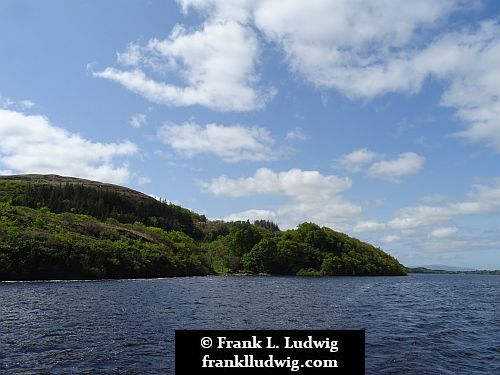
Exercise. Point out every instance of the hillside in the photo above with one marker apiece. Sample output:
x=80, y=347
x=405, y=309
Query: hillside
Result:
x=100, y=200
x=54, y=227
x=55, y=180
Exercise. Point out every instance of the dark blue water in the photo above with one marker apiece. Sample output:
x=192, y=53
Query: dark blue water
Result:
x=420, y=324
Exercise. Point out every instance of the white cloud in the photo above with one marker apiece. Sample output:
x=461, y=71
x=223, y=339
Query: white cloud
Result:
x=464, y=61
x=368, y=226
x=131, y=57
x=353, y=46
x=484, y=199
x=366, y=49
x=417, y=216
x=333, y=212
x=31, y=144
x=231, y=143
x=301, y=185
x=312, y=195
x=138, y=120
x=389, y=239
x=369, y=162
x=356, y=47
x=216, y=63
x=252, y=215
x=444, y=232
x=406, y=164
x=473, y=73
x=376, y=59
x=355, y=160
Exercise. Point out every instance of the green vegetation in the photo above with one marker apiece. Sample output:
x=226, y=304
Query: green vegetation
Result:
x=102, y=202
x=55, y=227
x=39, y=244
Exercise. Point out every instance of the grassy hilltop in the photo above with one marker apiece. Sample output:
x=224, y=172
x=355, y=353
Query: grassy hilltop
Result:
x=54, y=227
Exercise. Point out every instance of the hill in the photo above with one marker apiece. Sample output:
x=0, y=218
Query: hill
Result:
x=102, y=201
x=54, y=227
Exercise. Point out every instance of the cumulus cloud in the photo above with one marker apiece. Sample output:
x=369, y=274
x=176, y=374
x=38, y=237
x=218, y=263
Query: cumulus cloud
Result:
x=296, y=183
x=365, y=50
x=216, y=63
x=378, y=166
x=231, y=143
x=433, y=227
x=484, y=199
x=31, y=144
x=418, y=216
x=406, y=164
x=356, y=160
x=312, y=195
x=474, y=79
x=353, y=46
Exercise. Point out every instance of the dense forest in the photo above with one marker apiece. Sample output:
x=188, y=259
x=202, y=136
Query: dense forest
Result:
x=104, y=202
x=64, y=228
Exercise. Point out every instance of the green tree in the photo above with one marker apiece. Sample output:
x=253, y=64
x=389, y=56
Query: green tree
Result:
x=260, y=258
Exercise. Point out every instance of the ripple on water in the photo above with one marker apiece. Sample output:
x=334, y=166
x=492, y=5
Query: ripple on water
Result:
x=420, y=324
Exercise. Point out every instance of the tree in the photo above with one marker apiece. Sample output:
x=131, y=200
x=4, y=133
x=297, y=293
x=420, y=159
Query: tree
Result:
x=259, y=259
x=244, y=236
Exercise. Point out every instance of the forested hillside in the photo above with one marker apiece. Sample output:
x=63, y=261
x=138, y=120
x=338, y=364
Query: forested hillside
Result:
x=102, y=201
x=54, y=227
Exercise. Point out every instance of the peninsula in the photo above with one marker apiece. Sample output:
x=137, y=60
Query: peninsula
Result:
x=54, y=227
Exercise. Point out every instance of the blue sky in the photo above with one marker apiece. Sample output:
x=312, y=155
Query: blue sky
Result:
x=378, y=119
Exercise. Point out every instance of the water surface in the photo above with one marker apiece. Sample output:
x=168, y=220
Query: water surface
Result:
x=419, y=324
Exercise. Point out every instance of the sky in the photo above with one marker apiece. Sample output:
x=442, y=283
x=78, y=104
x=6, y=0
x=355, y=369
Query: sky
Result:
x=377, y=119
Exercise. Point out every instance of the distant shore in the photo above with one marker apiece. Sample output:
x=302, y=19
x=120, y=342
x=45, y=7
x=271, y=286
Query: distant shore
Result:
x=446, y=272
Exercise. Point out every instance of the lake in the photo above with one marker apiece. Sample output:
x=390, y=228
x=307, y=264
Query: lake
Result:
x=419, y=324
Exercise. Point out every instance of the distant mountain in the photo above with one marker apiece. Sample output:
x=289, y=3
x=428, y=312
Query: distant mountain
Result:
x=443, y=267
